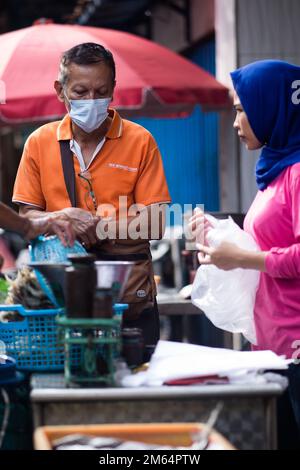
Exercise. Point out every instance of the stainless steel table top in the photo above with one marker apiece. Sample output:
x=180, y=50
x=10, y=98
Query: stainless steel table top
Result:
x=47, y=388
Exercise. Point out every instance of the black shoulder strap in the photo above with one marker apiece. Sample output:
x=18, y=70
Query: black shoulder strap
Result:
x=68, y=169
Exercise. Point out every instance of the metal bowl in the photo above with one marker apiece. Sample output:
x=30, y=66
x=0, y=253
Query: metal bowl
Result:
x=110, y=275
x=51, y=277
x=113, y=275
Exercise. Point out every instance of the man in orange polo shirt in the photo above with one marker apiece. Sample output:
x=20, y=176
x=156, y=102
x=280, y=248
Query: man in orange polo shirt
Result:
x=110, y=158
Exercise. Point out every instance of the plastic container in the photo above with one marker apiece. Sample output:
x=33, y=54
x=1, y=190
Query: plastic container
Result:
x=51, y=249
x=34, y=342
x=171, y=434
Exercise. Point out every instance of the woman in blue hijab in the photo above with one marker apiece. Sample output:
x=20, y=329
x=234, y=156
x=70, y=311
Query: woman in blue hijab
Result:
x=267, y=103
x=268, y=91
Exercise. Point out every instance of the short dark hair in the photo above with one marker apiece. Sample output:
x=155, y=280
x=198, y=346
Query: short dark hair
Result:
x=85, y=54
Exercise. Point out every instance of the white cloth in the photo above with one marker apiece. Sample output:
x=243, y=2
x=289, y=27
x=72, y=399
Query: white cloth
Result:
x=172, y=361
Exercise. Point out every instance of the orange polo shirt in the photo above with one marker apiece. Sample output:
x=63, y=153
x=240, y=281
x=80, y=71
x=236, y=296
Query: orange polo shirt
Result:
x=129, y=164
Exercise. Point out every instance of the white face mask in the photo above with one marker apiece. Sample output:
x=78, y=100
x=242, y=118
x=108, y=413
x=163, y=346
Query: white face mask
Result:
x=89, y=114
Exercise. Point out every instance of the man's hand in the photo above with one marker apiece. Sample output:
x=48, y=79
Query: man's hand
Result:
x=62, y=228
x=84, y=224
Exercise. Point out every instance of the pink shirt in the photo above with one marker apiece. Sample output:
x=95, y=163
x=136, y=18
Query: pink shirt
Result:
x=274, y=221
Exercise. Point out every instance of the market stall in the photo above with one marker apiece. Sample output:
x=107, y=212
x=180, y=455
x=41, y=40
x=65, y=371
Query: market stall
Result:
x=248, y=419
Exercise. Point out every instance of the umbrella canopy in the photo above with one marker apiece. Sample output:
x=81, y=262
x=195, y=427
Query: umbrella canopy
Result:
x=151, y=79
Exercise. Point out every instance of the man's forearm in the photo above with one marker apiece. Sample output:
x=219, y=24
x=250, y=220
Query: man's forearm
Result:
x=33, y=212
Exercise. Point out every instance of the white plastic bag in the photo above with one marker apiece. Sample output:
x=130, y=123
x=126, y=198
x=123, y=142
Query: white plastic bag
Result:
x=227, y=297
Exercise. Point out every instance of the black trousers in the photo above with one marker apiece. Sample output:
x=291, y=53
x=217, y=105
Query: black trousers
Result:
x=148, y=322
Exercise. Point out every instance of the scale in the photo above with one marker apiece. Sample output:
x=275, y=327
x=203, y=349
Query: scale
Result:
x=99, y=342
x=93, y=338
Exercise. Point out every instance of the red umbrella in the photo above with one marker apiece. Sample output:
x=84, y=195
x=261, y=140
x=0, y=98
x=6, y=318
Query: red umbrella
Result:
x=151, y=79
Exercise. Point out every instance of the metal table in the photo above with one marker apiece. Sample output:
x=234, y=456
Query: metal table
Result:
x=248, y=419
x=188, y=321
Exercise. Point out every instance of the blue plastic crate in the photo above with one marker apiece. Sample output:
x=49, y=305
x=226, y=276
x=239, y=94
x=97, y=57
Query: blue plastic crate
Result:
x=34, y=342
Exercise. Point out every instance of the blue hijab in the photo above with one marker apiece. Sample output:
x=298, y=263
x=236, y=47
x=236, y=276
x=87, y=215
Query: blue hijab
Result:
x=271, y=100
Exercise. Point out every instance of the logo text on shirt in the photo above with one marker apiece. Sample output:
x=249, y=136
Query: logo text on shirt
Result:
x=122, y=167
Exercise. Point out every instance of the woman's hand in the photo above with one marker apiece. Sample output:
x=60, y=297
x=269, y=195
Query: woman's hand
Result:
x=69, y=224
x=228, y=256
x=199, y=226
